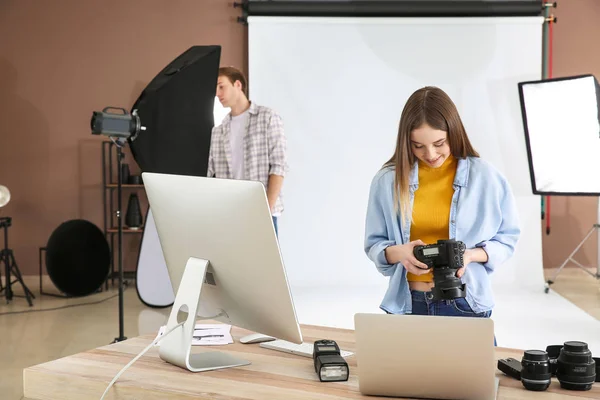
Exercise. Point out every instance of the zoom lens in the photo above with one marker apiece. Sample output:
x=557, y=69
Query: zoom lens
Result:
x=535, y=372
x=576, y=369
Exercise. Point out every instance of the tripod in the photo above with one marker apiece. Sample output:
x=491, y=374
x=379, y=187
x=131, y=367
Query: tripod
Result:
x=596, y=275
x=120, y=156
x=8, y=258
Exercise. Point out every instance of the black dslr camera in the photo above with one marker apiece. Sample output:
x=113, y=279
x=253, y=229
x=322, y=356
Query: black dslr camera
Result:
x=445, y=257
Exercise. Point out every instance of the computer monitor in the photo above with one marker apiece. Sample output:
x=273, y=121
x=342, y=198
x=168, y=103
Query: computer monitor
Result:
x=226, y=227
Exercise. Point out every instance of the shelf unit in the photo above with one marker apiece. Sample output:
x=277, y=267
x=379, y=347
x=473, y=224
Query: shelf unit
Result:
x=109, y=189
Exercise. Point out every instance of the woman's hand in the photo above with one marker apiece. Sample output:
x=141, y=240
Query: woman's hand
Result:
x=466, y=261
x=403, y=253
x=472, y=255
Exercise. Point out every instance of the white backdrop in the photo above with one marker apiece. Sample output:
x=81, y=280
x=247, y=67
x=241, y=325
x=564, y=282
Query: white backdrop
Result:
x=340, y=85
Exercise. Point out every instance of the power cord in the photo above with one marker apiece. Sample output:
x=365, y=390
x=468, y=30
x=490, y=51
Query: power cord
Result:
x=61, y=307
x=154, y=342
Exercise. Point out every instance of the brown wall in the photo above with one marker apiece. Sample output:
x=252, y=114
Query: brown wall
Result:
x=576, y=51
x=62, y=59
x=59, y=61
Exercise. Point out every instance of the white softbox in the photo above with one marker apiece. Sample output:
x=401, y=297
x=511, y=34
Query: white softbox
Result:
x=561, y=117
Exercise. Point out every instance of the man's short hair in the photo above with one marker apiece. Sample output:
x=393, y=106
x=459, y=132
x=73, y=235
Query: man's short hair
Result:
x=234, y=74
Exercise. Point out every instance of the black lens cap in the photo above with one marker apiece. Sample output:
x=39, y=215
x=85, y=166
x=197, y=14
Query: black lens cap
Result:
x=535, y=355
x=576, y=347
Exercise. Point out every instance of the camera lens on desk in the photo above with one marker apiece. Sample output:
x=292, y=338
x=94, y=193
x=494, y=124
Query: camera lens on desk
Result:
x=535, y=372
x=576, y=369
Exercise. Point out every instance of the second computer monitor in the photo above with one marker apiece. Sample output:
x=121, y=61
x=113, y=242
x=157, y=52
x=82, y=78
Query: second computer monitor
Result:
x=229, y=224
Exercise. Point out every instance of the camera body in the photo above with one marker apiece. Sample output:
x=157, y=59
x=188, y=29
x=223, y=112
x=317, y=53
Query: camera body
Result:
x=445, y=258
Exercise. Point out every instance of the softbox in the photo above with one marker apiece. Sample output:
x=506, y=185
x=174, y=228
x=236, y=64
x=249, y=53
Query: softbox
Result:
x=178, y=109
x=561, y=119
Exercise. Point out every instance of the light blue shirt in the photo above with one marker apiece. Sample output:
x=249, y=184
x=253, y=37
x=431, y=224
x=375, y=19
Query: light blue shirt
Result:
x=483, y=214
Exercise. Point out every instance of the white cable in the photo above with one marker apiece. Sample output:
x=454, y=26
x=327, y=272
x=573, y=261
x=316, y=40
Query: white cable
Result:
x=154, y=342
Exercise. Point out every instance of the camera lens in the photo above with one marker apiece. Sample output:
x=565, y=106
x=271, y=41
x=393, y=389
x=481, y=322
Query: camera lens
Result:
x=576, y=369
x=535, y=372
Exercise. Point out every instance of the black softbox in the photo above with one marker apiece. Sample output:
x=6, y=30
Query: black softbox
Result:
x=177, y=110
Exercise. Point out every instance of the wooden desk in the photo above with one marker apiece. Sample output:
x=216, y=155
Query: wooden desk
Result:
x=272, y=375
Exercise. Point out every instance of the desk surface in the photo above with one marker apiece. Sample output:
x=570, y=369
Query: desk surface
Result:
x=272, y=375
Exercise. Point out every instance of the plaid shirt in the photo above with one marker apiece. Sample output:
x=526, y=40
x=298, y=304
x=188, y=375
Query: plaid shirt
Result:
x=264, y=149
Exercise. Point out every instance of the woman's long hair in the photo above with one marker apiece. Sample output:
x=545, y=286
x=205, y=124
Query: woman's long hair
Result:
x=432, y=106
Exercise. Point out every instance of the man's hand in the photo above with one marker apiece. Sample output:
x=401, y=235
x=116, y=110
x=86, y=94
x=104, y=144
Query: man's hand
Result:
x=273, y=189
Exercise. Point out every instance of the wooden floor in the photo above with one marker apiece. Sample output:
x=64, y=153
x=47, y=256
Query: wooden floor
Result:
x=28, y=337
x=579, y=288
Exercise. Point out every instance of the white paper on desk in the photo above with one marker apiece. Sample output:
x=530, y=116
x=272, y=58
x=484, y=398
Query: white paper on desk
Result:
x=221, y=327
x=206, y=334
x=205, y=337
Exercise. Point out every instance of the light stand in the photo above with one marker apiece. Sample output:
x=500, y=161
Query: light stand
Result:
x=169, y=127
x=8, y=258
x=118, y=127
x=558, y=114
x=120, y=156
x=596, y=275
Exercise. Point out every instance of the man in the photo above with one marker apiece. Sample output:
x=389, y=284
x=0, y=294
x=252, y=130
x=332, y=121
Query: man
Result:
x=250, y=143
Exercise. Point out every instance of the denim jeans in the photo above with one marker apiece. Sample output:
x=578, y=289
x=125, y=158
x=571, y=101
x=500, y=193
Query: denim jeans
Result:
x=423, y=304
x=275, y=225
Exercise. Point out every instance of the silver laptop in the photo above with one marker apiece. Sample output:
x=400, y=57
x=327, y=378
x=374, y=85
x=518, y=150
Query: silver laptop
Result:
x=430, y=357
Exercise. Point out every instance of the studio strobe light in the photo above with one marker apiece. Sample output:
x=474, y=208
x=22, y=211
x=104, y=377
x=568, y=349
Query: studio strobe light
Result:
x=122, y=125
x=119, y=127
x=168, y=130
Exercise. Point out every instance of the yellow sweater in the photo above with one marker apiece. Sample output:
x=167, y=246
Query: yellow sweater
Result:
x=431, y=208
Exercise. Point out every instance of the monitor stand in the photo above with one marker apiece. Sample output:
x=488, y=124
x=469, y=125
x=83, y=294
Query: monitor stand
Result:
x=176, y=348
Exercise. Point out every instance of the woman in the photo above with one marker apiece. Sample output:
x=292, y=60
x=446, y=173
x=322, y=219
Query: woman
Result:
x=436, y=187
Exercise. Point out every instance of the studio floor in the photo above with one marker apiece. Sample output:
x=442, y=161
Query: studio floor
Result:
x=525, y=317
